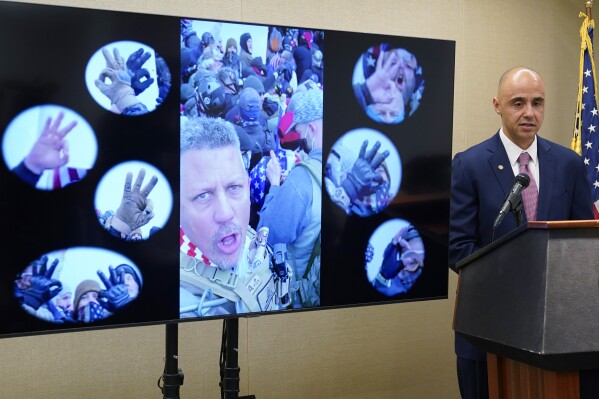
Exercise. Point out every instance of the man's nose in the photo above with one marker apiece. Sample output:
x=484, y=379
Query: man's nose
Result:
x=223, y=211
x=528, y=110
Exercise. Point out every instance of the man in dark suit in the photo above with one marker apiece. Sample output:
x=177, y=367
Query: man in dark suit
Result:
x=483, y=175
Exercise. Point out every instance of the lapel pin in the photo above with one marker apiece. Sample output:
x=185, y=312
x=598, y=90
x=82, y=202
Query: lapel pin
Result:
x=500, y=167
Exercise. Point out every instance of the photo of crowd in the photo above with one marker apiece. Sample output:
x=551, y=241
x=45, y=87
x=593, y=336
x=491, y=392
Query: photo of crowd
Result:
x=251, y=106
x=77, y=285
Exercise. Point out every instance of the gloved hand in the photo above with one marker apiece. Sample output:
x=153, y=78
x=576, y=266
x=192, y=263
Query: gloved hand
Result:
x=140, y=77
x=118, y=90
x=114, y=61
x=116, y=294
x=136, y=60
x=360, y=180
x=136, y=209
x=392, y=263
x=42, y=286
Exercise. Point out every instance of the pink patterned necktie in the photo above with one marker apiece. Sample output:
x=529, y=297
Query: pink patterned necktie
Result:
x=530, y=195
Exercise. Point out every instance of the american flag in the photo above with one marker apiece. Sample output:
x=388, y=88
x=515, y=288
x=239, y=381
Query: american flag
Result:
x=586, y=126
x=258, y=180
x=66, y=175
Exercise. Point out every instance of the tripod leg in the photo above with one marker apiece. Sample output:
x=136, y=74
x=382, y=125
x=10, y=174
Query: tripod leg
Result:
x=229, y=361
x=173, y=376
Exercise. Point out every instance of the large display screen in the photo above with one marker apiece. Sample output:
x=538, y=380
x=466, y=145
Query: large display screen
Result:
x=161, y=169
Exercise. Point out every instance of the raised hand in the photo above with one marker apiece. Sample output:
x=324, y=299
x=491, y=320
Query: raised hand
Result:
x=360, y=180
x=116, y=294
x=51, y=150
x=140, y=77
x=42, y=287
x=136, y=209
x=381, y=82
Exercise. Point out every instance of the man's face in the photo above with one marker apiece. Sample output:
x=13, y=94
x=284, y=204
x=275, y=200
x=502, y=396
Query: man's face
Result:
x=405, y=79
x=131, y=284
x=250, y=44
x=413, y=257
x=520, y=102
x=215, y=203
x=24, y=281
x=232, y=49
x=87, y=298
x=64, y=302
x=389, y=112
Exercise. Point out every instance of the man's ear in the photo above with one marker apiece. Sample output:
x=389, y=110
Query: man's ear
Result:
x=496, y=106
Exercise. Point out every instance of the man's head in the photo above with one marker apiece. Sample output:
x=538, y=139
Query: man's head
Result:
x=130, y=278
x=64, y=299
x=391, y=112
x=249, y=105
x=207, y=39
x=246, y=43
x=412, y=255
x=86, y=293
x=406, y=74
x=231, y=46
x=307, y=107
x=23, y=280
x=520, y=102
x=215, y=195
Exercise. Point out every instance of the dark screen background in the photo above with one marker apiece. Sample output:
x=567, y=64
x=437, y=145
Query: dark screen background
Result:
x=45, y=50
x=423, y=141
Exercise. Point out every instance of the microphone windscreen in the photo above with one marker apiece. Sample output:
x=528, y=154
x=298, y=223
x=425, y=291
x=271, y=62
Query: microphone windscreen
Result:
x=523, y=179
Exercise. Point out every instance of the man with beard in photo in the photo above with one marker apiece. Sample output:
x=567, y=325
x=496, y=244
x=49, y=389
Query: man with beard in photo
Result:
x=225, y=266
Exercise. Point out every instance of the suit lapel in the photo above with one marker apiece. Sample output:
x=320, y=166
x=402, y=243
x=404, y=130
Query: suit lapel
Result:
x=500, y=164
x=547, y=165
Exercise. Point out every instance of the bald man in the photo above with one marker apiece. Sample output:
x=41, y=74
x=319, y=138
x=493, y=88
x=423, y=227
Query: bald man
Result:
x=483, y=175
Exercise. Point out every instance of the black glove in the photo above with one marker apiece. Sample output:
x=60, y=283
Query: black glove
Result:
x=42, y=286
x=141, y=80
x=116, y=294
x=140, y=77
x=392, y=263
x=360, y=180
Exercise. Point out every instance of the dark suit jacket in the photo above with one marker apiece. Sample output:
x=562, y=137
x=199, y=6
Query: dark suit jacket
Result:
x=481, y=179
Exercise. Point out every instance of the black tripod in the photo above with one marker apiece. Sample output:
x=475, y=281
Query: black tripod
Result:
x=229, y=366
x=172, y=377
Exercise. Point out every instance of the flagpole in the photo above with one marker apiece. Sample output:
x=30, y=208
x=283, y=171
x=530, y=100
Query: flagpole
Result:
x=587, y=8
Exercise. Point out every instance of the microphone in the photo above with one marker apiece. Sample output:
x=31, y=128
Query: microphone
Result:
x=520, y=183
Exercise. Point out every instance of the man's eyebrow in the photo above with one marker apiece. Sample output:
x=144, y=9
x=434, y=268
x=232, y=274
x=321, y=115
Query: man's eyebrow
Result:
x=523, y=99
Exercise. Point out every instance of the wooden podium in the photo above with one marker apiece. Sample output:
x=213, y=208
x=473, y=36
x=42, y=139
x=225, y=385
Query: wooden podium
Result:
x=531, y=300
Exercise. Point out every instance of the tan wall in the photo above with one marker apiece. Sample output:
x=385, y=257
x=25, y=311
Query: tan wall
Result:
x=393, y=351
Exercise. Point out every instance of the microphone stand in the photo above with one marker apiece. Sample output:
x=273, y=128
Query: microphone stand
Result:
x=518, y=211
x=229, y=366
x=172, y=377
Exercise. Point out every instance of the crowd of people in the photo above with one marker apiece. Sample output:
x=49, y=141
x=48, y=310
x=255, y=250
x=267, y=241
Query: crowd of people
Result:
x=268, y=110
x=41, y=292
